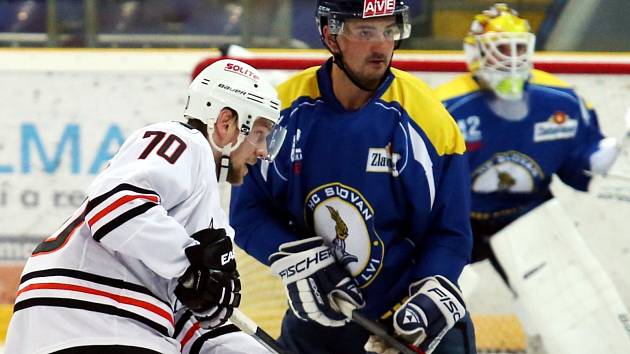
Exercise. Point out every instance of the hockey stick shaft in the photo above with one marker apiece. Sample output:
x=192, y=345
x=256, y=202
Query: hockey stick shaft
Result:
x=250, y=327
x=373, y=327
x=609, y=175
x=625, y=139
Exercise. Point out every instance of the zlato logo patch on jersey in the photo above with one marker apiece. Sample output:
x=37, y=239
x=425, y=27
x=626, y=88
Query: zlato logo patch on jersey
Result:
x=382, y=160
x=558, y=126
x=375, y=8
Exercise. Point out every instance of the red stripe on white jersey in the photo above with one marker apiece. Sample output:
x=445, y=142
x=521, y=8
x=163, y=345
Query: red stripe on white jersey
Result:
x=120, y=201
x=191, y=332
x=118, y=298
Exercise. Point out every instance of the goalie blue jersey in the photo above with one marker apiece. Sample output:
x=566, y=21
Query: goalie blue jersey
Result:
x=512, y=161
x=386, y=185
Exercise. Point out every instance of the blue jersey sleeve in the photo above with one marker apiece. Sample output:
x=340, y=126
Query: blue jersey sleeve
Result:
x=446, y=244
x=572, y=172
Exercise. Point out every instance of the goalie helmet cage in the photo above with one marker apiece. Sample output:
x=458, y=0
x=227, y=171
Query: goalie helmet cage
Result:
x=498, y=330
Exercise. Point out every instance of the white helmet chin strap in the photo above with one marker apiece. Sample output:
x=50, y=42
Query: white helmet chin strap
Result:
x=225, y=163
x=225, y=153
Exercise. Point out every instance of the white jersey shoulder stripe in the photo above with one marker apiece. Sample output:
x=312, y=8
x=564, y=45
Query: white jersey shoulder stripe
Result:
x=118, y=202
x=95, y=202
x=421, y=154
x=121, y=204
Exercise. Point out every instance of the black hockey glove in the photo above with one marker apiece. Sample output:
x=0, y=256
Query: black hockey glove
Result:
x=313, y=279
x=434, y=305
x=210, y=287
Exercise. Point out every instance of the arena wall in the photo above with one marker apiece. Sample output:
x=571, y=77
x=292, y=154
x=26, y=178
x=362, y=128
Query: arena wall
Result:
x=64, y=113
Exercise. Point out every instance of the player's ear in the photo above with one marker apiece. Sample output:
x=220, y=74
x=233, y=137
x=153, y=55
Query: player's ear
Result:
x=330, y=40
x=225, y=127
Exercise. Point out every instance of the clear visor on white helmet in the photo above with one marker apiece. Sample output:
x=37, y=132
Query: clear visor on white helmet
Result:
x=267, y=137
x=502, y=60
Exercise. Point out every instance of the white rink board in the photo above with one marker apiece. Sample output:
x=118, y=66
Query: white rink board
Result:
x=92, y=93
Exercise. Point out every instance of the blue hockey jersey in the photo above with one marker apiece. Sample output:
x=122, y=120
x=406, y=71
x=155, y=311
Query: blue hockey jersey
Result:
x=386, y=185
x=512, y=161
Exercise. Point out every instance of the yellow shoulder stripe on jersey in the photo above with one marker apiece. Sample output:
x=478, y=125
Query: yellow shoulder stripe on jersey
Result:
x=465, y=84
x=422, y=105
x=461, y=85
x=301, y=84
x=588, y=104
x=546, y=79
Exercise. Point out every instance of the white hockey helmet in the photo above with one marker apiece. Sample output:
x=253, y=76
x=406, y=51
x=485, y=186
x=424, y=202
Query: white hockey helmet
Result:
x=499, y=48
x=239, y=86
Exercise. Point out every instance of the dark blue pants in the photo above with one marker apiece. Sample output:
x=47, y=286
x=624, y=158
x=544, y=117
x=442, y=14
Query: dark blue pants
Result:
x=301, y=337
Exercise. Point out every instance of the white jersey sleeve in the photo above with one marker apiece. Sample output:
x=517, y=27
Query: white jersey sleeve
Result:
x=227, y=338
x=131, y=204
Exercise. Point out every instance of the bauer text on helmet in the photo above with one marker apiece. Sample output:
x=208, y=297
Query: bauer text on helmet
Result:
x=236, y=85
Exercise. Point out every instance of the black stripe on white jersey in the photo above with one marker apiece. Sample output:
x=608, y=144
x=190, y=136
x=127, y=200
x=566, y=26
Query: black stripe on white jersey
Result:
x=181, y=322
x=89, y=306
x=121, y=187
x=198, y=343
x=94, y=278
x=121, y=219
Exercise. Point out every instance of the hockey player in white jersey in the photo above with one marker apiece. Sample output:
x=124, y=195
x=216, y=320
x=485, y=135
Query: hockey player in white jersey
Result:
x=146, y=265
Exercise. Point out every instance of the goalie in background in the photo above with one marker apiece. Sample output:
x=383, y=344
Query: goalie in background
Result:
x=368, y=199
x=145, y=265
x=521, y=127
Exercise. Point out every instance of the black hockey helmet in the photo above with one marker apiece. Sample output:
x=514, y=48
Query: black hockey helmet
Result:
x=334, y=12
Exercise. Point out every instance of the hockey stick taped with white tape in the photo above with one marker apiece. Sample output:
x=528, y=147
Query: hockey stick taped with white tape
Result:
x=250, y=327
x=349, y=310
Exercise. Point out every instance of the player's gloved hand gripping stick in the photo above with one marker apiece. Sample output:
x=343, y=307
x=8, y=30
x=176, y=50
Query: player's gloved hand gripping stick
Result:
x=312, y=277
x=378, y=330
x=210, y=287
x=434, y=306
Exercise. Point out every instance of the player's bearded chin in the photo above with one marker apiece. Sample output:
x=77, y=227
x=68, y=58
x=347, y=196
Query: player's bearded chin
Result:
x=235, y=175
x=372, y=78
